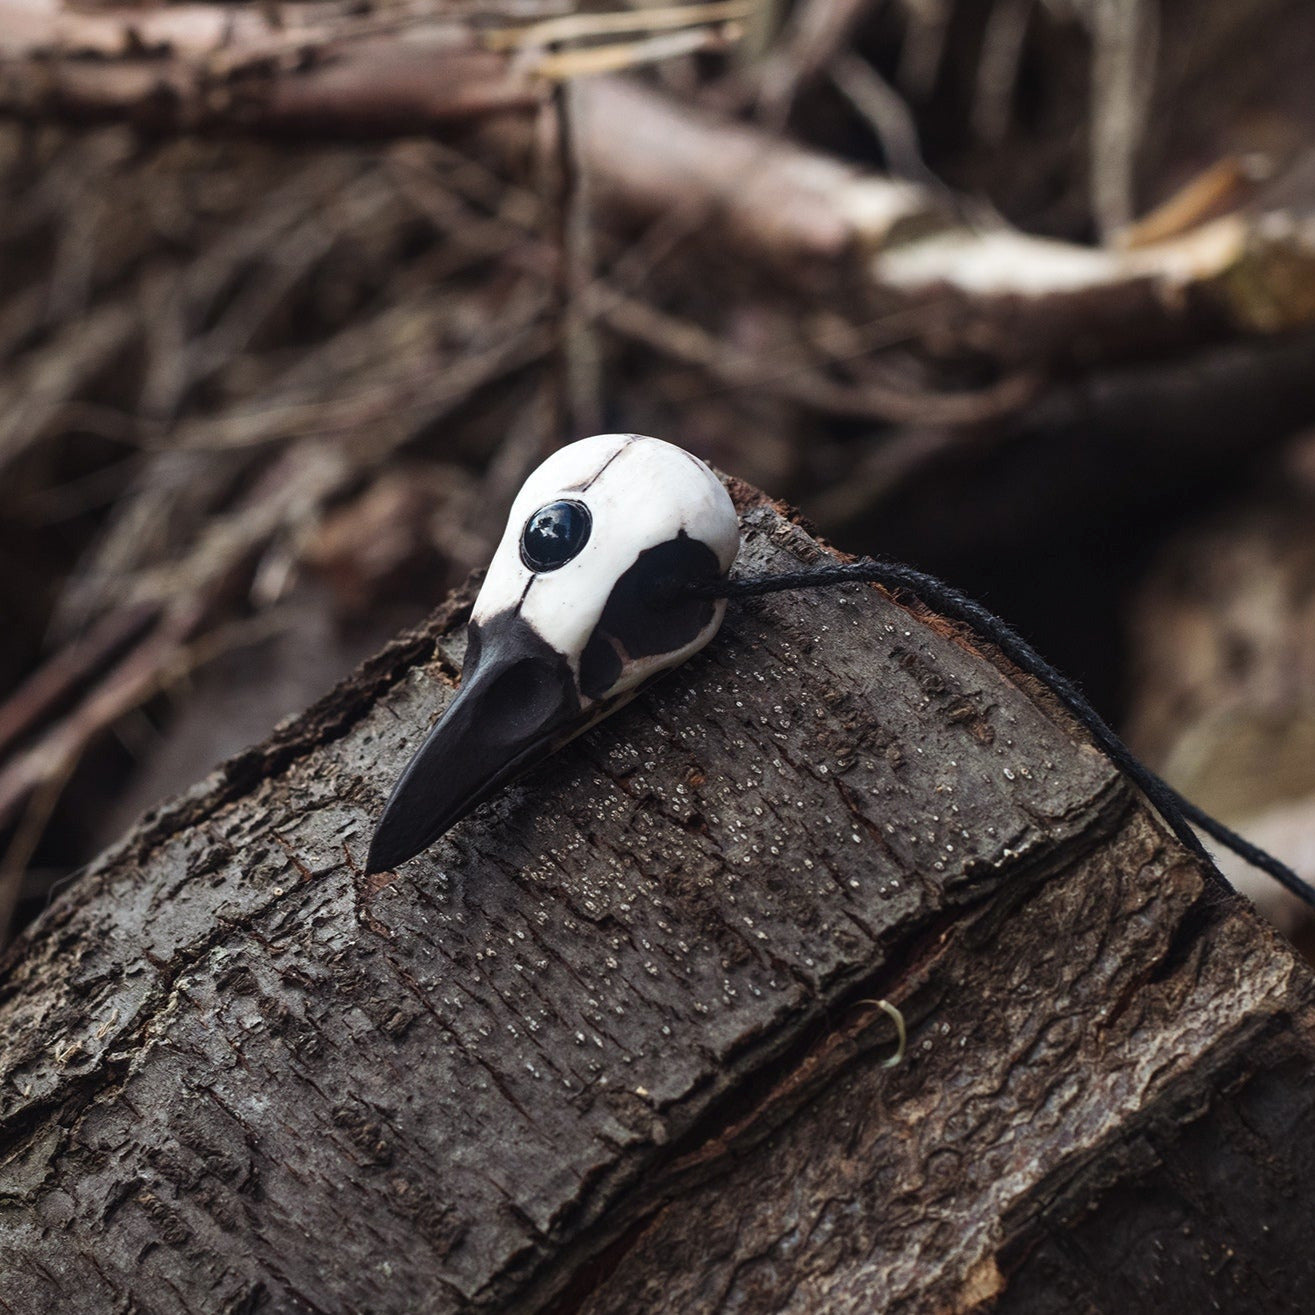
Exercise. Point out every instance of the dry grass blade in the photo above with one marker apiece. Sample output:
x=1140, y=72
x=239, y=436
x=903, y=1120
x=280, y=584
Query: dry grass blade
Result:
x=585, y=26
x=616, y=58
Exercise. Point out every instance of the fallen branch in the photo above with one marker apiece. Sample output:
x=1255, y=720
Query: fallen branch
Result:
x=320, y=68
x=201, y=66
x=984, y=285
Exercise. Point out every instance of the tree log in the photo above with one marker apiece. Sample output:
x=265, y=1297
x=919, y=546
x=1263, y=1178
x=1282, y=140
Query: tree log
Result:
x=611, y=1045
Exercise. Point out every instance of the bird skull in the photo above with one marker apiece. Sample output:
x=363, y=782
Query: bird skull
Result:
x=586, y=599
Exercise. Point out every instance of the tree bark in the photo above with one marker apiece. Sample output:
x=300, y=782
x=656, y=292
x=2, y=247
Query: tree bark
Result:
x=611, y=1045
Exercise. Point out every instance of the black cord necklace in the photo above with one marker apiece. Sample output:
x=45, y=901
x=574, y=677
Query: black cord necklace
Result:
x=1181, y=814
x=616, y=555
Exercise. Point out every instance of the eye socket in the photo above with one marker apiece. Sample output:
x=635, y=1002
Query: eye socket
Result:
x=555, y=534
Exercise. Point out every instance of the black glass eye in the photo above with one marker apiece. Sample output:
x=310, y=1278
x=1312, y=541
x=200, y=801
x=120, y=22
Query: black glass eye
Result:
x=554, y=534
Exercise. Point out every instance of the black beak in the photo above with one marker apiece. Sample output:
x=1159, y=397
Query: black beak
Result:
x=517, y=703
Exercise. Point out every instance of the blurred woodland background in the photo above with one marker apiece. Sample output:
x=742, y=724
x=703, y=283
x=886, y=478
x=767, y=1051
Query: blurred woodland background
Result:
x=292, y=297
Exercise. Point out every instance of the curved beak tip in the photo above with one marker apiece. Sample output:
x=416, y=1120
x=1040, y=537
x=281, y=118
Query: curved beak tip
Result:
x=517, y=701
x=382, y=857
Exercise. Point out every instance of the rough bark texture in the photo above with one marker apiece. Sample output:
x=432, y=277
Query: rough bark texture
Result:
x=610, y=1046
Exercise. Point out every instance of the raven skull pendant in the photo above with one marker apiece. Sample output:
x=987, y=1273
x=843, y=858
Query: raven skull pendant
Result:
x=585, y=600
